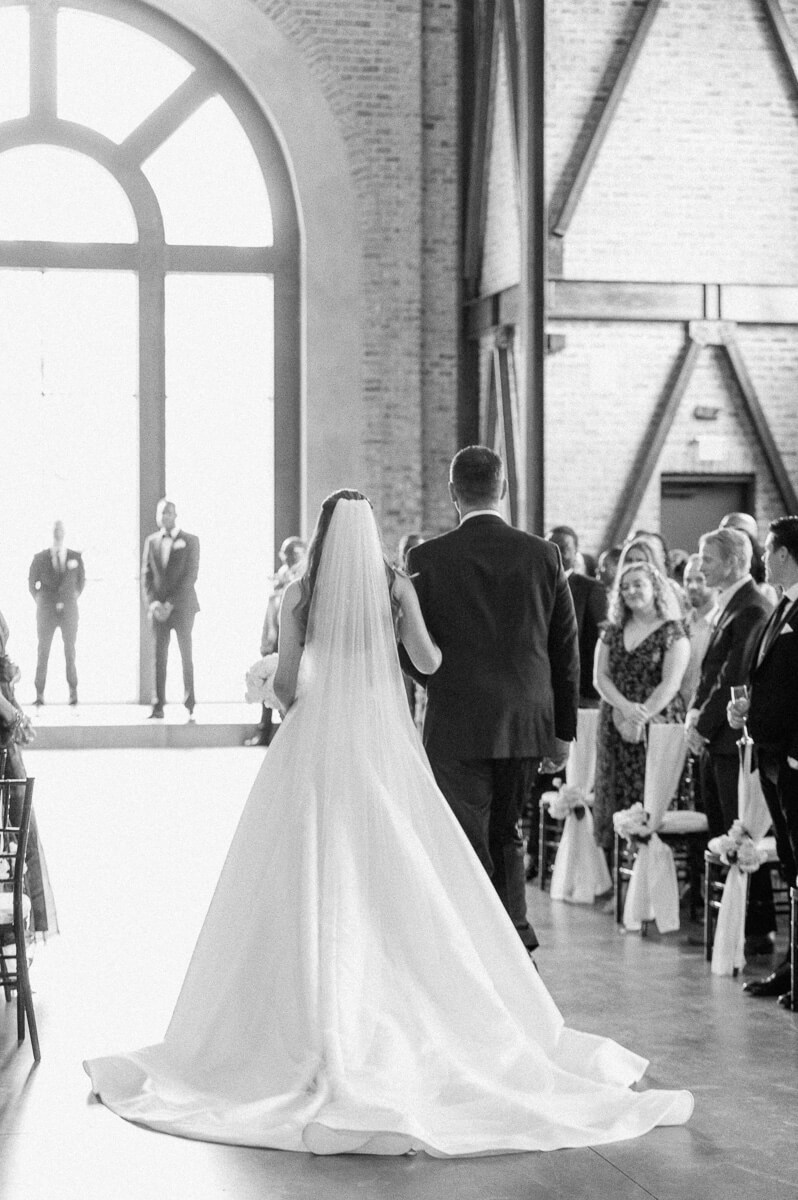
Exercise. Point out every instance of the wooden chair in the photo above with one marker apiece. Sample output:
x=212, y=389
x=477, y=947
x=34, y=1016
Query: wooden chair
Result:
x=15, y=905
x=550, y=833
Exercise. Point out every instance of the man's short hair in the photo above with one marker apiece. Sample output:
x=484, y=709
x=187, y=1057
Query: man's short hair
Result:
x=693, y=560
x=565, y=531
x=785, y=533
x=731, y=544
x=476, y=474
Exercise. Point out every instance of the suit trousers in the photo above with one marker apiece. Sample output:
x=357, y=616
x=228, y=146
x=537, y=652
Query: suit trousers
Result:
x=487, y=795
x=48, y=619
x=780, y=786
x=719, y=778
x=182, y=623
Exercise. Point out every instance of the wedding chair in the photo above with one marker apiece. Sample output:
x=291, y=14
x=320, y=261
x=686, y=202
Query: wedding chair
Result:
x=580, y=771
x=580, y=871
x=15, y=906
x=715, y=874
x=645, y=876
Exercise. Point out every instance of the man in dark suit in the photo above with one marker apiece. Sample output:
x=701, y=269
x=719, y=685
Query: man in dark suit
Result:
x=771, y=711
x=169, y=569
x=590, y=606
x=742, y=611
x=56, y=579
x=505, y=697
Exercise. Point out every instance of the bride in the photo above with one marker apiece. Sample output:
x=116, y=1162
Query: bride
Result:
x=357, y=986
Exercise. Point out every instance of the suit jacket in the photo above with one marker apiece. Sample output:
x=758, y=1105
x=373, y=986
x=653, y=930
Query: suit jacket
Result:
x=498, y=604
x=773, y=686
x=176, y=583
x=590, y=606
x=727, y=662
x=50, y=586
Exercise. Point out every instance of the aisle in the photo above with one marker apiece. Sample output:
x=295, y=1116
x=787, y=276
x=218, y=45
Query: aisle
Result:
x=135, y=840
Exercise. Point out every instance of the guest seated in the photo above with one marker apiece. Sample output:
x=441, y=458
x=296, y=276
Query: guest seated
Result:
x=640, y=663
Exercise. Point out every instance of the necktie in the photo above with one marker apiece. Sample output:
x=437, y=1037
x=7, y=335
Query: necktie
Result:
x=773, y=629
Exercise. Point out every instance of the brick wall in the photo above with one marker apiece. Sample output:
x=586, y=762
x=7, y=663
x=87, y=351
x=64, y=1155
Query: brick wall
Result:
x=697, y=180
x=388, y=72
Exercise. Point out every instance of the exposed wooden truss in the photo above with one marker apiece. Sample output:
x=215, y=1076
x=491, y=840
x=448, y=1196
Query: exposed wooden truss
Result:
x=700, y=334
x=544, y=291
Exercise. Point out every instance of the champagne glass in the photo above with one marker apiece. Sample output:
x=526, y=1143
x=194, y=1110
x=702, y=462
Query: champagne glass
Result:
x=740, y=692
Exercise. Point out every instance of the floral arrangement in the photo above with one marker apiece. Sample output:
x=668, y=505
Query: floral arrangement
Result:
x=260, y=682
x=632, y=823
x=24, y=733
x=567, y=799
x=737, y=847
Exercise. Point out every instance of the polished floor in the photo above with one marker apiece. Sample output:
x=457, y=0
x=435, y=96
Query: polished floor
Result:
x=135, y=839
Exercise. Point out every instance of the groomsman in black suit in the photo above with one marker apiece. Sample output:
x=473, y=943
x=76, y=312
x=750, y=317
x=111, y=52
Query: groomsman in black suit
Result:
x=169, y=569
x=771, y=712
x=590, y=606
x=56, y=579
x=741, y=613
x=505, y=697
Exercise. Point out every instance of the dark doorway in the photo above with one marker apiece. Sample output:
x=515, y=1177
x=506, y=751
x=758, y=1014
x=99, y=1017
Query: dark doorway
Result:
x=694, y=504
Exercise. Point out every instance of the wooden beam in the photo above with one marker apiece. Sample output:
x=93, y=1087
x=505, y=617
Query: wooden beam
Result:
x=593, y=300
x=510, y=38
x=485, y=48
x=502, y=353
x=533, y=265
x=759, y=304
x=489, y=413
x=784, y=37
x=564, y=215
x=468, y=379
x=645, y=462
x=759, y=421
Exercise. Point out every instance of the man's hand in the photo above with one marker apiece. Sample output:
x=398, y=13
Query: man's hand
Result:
x=736, y=712
x=550, y=766
x=695, y=740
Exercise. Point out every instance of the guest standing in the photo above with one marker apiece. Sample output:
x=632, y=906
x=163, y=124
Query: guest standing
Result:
x=293, y=553
x=56, y=579
x=497, y=602
x=169, y=568
x=698, y=623
x=640, y=662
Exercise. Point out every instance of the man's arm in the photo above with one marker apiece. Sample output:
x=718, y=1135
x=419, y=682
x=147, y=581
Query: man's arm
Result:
x=34, y=577
x=563, y=649
x=147, y=580
x=81, y=583
x=742, y=631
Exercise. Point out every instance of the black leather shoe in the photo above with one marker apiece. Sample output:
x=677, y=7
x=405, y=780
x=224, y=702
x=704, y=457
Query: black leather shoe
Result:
x=772, y=985
x=157, y=713
x=73, y=701
x=786, y=1002
x=39, y=701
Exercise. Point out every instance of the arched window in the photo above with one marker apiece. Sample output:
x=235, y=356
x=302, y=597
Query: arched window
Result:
x=149, y=279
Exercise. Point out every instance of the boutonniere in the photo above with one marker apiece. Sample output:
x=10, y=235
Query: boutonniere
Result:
x=178, y=544
x=72, y=563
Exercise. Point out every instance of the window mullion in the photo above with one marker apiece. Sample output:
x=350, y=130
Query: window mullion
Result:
x=43, y=52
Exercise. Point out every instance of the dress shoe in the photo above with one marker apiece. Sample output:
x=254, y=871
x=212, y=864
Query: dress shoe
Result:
x=39, y=701
x=73, y=701
x=157, y=713
x=259, y=739
x=771, y=985
x=786, y=1002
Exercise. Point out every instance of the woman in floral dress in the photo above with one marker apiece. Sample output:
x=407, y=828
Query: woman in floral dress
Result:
x=640, y=661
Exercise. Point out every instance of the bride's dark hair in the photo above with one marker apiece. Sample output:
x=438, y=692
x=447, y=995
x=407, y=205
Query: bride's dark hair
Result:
x=308, y=581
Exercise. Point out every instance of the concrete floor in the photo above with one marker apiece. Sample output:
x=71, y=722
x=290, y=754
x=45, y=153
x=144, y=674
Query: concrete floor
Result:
x=135, y=839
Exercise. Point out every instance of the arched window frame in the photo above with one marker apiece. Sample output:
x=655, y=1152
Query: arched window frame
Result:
x=152, y=259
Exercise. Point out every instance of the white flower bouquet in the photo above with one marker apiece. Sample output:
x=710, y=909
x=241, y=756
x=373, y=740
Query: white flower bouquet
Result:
x=260, y=682
x=632, y=823
x=738, y=848
x=566, y=800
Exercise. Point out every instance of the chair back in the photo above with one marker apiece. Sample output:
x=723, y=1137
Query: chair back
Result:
x=16, y=804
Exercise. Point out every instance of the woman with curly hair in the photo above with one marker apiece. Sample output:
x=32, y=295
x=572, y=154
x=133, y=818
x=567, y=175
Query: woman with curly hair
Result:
x=640, y=661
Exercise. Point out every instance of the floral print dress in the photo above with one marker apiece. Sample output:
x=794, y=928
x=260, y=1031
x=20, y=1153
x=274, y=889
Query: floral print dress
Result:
x=620, y=765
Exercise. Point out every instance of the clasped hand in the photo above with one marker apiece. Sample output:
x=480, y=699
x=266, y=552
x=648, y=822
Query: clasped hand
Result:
x=161, y=610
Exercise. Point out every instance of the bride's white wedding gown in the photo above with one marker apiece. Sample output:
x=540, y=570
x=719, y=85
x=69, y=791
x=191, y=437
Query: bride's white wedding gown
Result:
x=357, y=985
